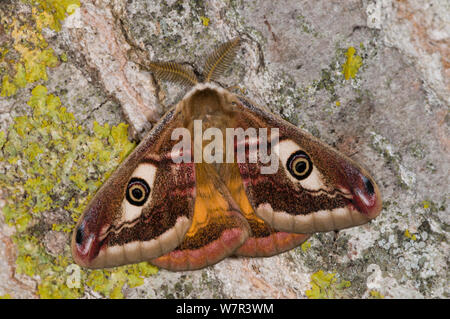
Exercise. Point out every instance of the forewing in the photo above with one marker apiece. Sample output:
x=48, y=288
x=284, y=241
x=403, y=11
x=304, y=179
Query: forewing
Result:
x=143, y=210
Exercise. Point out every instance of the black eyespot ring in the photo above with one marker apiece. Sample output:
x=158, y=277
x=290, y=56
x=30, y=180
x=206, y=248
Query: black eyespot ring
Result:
x=299, y=165
x=137, y=191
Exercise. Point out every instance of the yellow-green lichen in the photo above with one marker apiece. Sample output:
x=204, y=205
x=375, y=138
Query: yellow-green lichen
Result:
x=51, y=164
x=305, y=246
x=5, y=296
x=2, y=138
x=426, y=204
x=326, y=286
x=352, y=64
x=205, y=21
x=373, y=294
x=50, y=13
x=28, y=55
x=110, y=283
x=407, y=234
x=64, y=57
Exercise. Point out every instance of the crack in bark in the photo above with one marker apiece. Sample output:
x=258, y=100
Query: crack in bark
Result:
x=261, y=59
x=95, y=109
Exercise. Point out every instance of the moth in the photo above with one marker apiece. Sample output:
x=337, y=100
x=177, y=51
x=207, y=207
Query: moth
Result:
x=189, y=214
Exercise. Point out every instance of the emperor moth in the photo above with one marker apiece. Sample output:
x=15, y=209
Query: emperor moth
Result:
x=189, y=214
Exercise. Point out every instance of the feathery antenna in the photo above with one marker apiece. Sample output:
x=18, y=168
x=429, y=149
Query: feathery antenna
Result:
x=173, y=72
x=218, y=61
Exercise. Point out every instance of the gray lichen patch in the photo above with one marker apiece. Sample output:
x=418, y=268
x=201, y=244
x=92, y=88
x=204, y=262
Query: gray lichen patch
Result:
x=55, y=242
x=406, y=177
x=84, y=99
x=412, y=261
